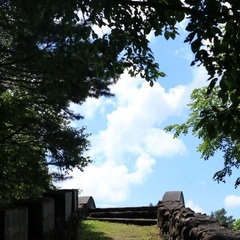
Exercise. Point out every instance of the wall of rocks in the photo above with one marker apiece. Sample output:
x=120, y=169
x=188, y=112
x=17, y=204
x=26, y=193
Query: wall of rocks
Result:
x=56, y=216
x=176, y=222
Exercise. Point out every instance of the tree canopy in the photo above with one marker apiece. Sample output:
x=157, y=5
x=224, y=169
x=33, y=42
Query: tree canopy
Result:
x=51, y=55
x=221, y=216
x=236, y=225
x=213, y=141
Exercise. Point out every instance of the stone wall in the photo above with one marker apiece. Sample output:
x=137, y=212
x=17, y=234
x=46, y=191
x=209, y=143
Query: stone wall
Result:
x=54, y=217
x=176, y=222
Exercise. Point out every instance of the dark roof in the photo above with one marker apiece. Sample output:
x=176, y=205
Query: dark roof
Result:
x=86, y=200
x=174, y=196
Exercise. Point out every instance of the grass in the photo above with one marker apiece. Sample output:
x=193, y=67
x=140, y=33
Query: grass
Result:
x=97, y=230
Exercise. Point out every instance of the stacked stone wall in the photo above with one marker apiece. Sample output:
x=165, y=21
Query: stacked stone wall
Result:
x=176, y=222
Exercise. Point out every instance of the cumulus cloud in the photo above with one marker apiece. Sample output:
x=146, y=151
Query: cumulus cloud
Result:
x=132, y=140
x=111, y=181
x=232, y=201
x=196, y=208
x=88, y=109
x=100, y=31
x=91, y=107
x=134, y=125
x=143, y=168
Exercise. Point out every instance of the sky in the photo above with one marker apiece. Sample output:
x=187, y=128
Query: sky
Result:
x=134, y=160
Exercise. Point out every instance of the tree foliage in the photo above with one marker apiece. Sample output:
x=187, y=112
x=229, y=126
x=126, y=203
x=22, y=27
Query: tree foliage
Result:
x=220, y=57
x=51, y=55
x=236, y=225
x=214, y=112
x=212, y=141
x=221, y=216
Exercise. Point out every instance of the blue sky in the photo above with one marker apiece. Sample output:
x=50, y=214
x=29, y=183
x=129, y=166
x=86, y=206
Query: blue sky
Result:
x=135, y=160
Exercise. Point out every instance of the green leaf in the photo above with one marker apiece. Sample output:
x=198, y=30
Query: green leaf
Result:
x=195, y=45
x=211, y=85
x=167, y=34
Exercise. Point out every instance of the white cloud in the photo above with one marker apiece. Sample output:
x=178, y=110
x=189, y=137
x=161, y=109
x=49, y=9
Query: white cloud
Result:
x=100, y=31
x=232, y=201
x=135, y=93
x=161, y=144
x=196, y=208
x=91, y=107
x=199, y=78
x=151, y=37
x=110, y=181
x=125, y=151
x=134, y=126
x=143, y=168
x=88, y=108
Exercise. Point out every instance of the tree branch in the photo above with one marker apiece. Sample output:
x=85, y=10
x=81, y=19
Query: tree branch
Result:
x=182, y=8
x=11, y=135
